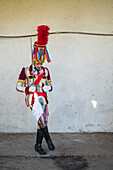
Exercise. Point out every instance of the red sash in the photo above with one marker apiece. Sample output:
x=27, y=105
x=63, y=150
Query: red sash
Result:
x=39, y=93
x=36, y=83
x=39, y=77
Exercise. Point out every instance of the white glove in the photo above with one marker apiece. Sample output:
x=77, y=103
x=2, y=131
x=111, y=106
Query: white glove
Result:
x=46, y=88
x=32, y=88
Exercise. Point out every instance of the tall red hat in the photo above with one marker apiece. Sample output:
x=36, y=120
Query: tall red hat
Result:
x=40, y=52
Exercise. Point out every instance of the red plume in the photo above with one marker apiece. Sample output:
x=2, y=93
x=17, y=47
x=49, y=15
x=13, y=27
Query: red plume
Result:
x=42, y=33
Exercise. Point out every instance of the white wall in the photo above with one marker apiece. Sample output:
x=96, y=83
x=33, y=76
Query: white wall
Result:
x=81, y=67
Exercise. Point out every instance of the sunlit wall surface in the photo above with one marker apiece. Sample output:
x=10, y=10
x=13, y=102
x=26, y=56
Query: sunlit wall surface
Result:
x=81, y=67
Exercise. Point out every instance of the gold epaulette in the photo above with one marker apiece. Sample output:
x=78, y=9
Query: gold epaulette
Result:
x=21, y=81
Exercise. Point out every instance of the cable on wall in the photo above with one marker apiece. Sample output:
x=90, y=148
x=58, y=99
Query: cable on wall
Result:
x=67, y=32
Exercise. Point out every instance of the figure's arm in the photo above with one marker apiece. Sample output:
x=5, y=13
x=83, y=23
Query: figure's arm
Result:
x=49, y=80
x=20, y=86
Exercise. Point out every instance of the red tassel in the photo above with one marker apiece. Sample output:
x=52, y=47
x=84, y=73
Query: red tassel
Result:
x=42, y=33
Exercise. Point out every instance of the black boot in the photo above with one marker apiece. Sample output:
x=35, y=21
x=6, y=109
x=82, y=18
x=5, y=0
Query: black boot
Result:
x=48, y=139
x=38, y=146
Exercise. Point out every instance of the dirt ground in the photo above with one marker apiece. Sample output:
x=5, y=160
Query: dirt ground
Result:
x=74, y=151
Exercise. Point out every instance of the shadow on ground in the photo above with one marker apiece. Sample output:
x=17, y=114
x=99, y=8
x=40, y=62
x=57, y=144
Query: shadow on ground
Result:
x=70, y=162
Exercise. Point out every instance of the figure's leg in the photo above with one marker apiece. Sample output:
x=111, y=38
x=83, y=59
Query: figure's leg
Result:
x=47, y=138
x=43, y=125
x=38, y=146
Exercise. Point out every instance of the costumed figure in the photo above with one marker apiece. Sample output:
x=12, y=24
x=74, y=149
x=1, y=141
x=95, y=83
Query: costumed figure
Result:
x=35, y=81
